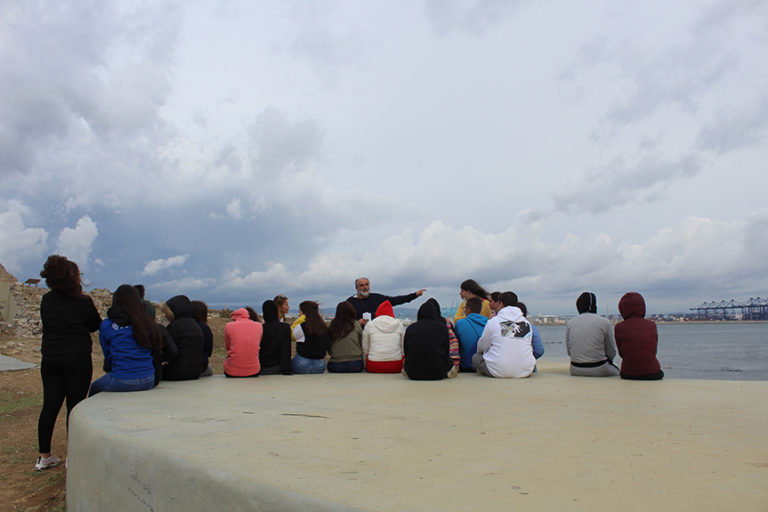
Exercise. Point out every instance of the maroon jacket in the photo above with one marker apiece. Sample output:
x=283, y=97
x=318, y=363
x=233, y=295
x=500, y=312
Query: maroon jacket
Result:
x=636, y=337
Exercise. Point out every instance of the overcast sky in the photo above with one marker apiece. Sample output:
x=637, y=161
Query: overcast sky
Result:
x=234, y=150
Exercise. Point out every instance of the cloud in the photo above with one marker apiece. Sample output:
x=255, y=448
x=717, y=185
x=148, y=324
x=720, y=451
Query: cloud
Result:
x=234, y=209
x=83, y=87
x=472, y=16
x=155, y=266
x=76, y=243
x=281, y=146
x=19, y=243
x=698, y=257
x=618, y=183
x=736, y=129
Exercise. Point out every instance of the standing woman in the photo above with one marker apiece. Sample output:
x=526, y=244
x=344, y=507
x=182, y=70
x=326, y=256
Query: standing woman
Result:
x=346, y=349
x=68, y=317
x=312, y=340
x=128, y=336
x=467, y=290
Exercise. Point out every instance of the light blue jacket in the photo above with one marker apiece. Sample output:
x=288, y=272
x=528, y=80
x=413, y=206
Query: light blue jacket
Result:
x=468, y=330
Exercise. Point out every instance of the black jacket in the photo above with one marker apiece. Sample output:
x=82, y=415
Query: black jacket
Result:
x=372, y=302
x=188, y=338
x=426, y=345
x=67, y=323
x=275, y=340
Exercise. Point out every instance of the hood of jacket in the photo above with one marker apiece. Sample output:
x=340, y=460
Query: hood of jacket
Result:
x=632, y=305
x=510, y=314
x=269, y=311
x=430, y=310
x=385, y=308
x=119, y=316
x=586, y=303
x=477, y=320
x=240, y=314
x=180, y=306
x=385, y=324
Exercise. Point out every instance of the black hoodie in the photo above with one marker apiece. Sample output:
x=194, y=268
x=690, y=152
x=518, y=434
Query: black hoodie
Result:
x=426, y=345
x=275, y=341
x=188, y=338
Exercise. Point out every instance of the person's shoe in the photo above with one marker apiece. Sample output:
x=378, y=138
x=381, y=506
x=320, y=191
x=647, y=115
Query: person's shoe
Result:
x=47, y=462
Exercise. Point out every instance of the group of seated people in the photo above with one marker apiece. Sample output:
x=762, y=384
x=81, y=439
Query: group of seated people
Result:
x=592, y=345
x=489, y=335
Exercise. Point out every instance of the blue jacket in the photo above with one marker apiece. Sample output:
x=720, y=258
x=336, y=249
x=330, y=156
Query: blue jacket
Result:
x=469, y=330
x=536, y=343
x=125, y=358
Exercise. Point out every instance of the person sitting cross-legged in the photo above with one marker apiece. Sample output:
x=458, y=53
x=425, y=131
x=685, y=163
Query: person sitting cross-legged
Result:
x=504, y=349
x=468, y=330
x=383, y=341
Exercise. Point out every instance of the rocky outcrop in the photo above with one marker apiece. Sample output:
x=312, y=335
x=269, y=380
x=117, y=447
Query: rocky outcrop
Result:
x=26, y=323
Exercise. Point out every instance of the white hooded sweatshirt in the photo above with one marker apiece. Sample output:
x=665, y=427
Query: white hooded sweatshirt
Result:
x=383, y=339
x=506, y=344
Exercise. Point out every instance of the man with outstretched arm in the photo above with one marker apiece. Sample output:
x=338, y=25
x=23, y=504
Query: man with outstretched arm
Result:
x=366, y=302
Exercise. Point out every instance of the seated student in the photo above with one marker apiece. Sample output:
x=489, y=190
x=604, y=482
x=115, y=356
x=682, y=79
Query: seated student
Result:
x=536, y=342
x=252, y=314
x=589, y=341
x=383, y=341
x=281, y=301
x=312, y=340
x=493, y=300
x=187, y=337
x=127, y=337
x=242, y=339
x=468, y=289
x=468, y=330
x=504, y=349
x=275, y=351
x=426, y=345
x=200, y=314
x=346, y=349
x=637, y=340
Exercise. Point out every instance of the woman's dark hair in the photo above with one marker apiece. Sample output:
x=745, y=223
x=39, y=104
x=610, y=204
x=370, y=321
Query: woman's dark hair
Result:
x=200, y=311
x=586, y=303
x=470, y=285
x=252, y=314
x=495, y=296
x=314, y=325
x=523, y=308
x=62, y=275
x=344, y=322
x=144, y=329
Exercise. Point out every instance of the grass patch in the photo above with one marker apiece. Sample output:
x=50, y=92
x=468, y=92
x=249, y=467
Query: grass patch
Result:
x=13, y=401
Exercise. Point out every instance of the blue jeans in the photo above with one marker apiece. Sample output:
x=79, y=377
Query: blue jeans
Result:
x=345, y=367
x=301, y=364
x=110, y=383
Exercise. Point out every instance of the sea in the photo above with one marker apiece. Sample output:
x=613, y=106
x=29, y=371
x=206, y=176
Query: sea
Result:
x=719, y=351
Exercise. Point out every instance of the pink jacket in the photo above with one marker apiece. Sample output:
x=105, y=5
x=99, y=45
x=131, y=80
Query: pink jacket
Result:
x=242, y=338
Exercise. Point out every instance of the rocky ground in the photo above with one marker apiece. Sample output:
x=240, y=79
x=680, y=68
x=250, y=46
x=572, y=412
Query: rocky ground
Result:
x=21, y=487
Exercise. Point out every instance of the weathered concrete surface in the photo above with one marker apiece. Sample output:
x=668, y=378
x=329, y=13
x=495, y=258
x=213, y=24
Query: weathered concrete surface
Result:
x=381, y=442
x=10, y=363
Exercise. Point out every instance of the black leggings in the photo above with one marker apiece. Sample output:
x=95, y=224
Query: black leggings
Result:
x=64, y=376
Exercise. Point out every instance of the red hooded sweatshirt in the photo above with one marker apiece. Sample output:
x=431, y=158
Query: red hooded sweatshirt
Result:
x=242, y=339
x=636, y=337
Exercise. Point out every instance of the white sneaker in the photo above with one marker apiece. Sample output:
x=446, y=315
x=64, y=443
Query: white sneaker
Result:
x=47, y=462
